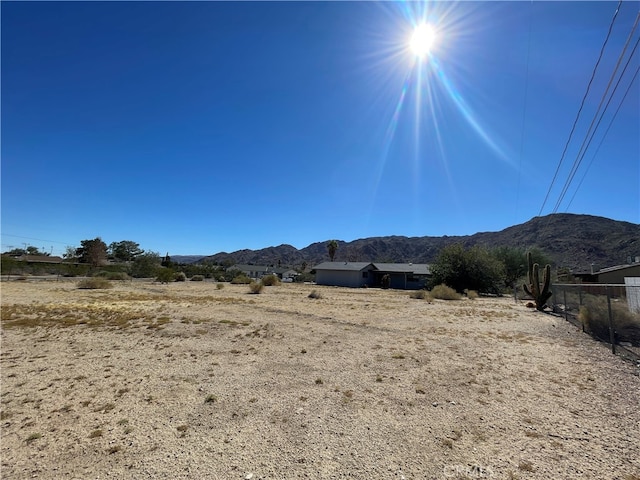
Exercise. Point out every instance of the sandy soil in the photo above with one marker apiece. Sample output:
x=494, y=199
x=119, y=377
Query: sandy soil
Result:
x=188, y=381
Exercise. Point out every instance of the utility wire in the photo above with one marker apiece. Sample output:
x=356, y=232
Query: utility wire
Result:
x=524, y=108
x=575, y=122
x=603, y=136
x=589, y=134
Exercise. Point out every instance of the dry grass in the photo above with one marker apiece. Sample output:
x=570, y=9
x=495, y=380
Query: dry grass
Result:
x=443, y=292
x=95, y=283
x=121, y=377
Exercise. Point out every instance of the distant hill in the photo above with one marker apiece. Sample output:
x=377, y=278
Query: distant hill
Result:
x=571, y=240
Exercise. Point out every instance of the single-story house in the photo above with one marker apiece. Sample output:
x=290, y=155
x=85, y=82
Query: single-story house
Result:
x=611, y=275
x=259, y=271
x=409, y=276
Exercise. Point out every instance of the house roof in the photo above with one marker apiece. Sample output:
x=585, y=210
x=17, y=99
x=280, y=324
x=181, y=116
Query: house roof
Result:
x=253, y=268
x=616, y=268
x=415, y=268
x=343, y=266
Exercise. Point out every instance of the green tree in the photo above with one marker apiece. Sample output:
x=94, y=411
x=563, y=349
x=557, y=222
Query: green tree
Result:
x=474, y=269
x=35, y=251
x=332, y=248
x=166, y=261
x=93, y=252
x=69, y=253
x=7, y=264
x=125, y=250
x=514, y=261
x=145, y=265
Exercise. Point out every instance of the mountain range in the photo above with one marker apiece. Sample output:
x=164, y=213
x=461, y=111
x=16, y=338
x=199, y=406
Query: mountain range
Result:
x=570, y=240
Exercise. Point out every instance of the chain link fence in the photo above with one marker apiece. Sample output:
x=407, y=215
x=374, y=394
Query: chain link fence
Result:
x=608, y=312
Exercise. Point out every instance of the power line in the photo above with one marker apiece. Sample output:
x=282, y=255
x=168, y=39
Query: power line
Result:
x=38, y=239
x=584, y=98
x=603, y=136
x=524, y=108
x=589, y=135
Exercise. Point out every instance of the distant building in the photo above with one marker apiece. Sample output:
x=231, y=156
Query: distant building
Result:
x=259, y=271
x=613, y=275
x=405, y=276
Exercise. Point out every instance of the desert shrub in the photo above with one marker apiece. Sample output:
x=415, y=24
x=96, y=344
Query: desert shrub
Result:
x=594, y=315
x=471, y=294
x=256, y=287
x=220, y=286
x=179, y=277
x=270, y=280
x=420, y=295
x=197, y=278
x=165, y=275
x=315, y=294
x=113, y=275
x=443, y=292
x=304, y=277
x=146, y=265
x=474, y=268
x=94, y=283
x=241, y=280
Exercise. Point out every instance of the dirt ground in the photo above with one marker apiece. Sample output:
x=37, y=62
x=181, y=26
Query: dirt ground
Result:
x=190, y=381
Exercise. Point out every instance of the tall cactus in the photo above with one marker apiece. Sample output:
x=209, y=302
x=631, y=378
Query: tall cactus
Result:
x=540, y=295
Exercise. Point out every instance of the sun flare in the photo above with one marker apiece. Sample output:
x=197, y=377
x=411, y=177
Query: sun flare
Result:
x=422, y=40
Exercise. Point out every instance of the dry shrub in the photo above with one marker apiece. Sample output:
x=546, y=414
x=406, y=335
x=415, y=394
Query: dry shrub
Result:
x=442, y=292
x=471, y=294
x=94, y=283
x=420, y=295
x=270, y=280
x=197, y=278
x=594, y=315
x=256, y=287
x=241, y=280
x=219, y=286
x=113, y=275
x=315, y=294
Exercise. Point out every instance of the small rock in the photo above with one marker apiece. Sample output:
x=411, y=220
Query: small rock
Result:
x=434, y=404
x=248, y=476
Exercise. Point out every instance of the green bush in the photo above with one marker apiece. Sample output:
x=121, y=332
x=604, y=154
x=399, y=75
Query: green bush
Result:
x=179, y=277
x=270, y=280
x=474, y=268
x=241, y=280
x=165, y=275
x=256, y=287
x=442, y=292
x=197, y=278
x=95, y=283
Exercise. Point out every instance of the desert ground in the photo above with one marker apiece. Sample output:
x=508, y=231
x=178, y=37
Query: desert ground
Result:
x=188, y=381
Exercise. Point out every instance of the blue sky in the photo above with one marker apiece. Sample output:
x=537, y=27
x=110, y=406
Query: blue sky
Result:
x=201, y=127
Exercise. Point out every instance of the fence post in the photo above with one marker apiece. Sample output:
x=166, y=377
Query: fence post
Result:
x=580, y=294
x=612, y=336
x=566, y=310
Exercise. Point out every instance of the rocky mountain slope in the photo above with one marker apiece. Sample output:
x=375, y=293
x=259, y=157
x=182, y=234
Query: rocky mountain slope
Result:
x=571, y=240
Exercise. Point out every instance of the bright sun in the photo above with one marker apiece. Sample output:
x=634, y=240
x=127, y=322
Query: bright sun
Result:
x=422, y=40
